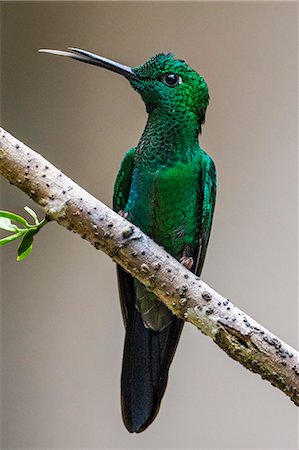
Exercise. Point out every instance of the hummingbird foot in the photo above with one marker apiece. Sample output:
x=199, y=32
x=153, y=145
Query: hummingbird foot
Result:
x=187, y=261
x=123, y=214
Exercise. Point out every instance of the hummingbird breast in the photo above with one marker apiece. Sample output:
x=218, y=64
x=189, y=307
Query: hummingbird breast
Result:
x=163, y=202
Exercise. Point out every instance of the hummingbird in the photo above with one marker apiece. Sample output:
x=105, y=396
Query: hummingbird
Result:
x=166, y=186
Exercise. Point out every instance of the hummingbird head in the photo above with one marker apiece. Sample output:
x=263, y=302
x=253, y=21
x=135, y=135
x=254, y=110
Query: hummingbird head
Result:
x=165, y=84
x=170, y=85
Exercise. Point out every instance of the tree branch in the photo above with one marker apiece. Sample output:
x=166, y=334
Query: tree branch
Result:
x=186, y=295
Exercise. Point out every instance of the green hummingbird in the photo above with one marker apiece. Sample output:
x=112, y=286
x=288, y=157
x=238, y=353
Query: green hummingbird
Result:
x=166, y=185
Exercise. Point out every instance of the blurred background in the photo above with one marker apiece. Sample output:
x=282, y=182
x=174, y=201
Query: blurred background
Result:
x=62, y=332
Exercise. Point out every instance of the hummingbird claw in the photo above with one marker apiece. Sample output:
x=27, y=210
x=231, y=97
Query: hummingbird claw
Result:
x=123, y=214
x=187, y=261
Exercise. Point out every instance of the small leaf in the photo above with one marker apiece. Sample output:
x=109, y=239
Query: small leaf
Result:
x=5, y=224
x=25, y=254
x=26, y=245
x=11, y=238
x=32, y=214
x=14, y=217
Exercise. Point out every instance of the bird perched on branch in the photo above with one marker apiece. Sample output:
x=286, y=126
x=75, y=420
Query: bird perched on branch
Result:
x=167, y=187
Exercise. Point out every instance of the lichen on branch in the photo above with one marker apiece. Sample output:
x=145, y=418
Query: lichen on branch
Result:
x=186, y=295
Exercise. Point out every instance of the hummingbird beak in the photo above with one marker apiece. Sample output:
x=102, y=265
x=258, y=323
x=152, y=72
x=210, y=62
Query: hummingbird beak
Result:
x=96, y=60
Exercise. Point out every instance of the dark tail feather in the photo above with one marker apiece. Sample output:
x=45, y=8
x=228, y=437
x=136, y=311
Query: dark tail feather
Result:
x=147, y=357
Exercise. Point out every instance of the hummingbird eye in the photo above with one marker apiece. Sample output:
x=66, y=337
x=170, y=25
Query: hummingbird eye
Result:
x=171, y=79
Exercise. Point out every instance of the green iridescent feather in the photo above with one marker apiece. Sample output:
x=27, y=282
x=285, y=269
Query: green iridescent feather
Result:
x=167, y=187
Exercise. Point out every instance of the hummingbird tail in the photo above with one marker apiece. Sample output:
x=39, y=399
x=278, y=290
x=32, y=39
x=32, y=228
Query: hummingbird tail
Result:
x=146, y=360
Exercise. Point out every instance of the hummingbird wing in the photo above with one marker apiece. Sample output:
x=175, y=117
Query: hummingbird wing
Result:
x=147, y=354
x=207, y=205
x=120, y=197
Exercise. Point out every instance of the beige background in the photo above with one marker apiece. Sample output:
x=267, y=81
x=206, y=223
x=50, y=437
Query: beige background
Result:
x=62, y=327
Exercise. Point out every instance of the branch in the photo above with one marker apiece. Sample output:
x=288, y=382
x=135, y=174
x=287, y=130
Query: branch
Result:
x=186, y=295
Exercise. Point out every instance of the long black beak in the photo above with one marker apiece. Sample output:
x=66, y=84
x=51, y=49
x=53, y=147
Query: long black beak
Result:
x=96, y=60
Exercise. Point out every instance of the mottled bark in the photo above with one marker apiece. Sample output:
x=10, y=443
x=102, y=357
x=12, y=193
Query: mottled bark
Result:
x=186, y=295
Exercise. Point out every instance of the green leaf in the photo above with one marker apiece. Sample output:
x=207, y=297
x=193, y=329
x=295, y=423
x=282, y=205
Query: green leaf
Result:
x=11, y=238
x=5, y=224
x=32, y=214
x=25, y=246
x=26, y=232
x=14, y=217
x=25, y=254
